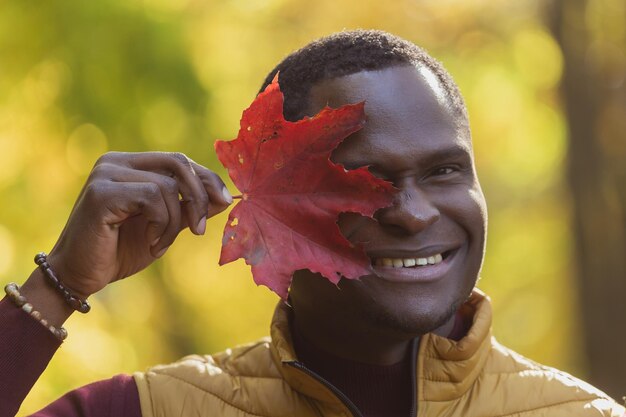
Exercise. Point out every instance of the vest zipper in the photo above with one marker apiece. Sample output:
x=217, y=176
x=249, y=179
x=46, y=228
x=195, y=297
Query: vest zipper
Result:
x=346, y=401
x=342, y=397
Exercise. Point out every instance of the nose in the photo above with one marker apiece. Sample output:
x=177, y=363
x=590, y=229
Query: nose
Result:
x=411, y=212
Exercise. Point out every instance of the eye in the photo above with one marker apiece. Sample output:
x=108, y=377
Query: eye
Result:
x=445, y=170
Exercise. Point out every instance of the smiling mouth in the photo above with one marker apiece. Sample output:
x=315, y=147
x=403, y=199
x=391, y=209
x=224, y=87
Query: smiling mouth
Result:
x=411, y=262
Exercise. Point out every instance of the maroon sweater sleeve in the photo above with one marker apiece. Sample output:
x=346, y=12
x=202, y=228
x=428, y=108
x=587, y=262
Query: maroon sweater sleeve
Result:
x=115, y=397
x=26, y=348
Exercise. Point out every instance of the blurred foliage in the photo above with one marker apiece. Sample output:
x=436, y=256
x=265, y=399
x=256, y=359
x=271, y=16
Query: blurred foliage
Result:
x=80, y=78
x=592, y=35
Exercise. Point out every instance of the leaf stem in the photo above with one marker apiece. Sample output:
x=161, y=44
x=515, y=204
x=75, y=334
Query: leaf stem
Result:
x=239, y=196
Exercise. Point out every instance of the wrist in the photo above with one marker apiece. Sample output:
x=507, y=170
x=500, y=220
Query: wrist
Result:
x=46, y=299
x=13, y=293
x=71, y=297
x=73, y=280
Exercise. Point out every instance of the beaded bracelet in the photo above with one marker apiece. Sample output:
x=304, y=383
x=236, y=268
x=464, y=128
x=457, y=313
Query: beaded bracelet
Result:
x=76, y=303
x=13, y=292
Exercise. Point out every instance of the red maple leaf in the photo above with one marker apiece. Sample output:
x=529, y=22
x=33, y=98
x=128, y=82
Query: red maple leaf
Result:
x=292, y=194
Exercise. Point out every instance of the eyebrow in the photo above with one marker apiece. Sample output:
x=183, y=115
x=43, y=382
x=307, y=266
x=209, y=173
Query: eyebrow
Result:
x=453, y=152
x=429, y=157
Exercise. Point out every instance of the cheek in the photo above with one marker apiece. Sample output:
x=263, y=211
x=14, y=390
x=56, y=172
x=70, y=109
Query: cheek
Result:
x=465, y=211
x=479, y=212
x=471, y=215
x=351, y=223
x=467, y=207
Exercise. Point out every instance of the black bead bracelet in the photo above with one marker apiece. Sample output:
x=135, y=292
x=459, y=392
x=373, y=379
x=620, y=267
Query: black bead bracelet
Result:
x=76, y=303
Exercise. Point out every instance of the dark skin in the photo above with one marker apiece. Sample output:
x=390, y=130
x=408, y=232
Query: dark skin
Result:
x=131, y=209
x=414, y=138
x=129, y=212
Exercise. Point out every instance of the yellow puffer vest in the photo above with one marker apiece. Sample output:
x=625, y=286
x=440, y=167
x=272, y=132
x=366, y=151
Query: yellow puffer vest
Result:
x=475, y=376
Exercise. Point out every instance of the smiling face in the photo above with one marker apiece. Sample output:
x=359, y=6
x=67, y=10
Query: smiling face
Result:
x=417, y=140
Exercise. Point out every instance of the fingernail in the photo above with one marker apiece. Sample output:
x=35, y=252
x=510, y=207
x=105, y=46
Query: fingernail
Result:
x=155, y=241
x=201, y=228
x=162, y=252
x=227, y=196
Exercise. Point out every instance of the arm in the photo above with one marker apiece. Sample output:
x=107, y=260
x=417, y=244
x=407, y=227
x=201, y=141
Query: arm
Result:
x=127, y=215
x=26, y=347
x=115, y=397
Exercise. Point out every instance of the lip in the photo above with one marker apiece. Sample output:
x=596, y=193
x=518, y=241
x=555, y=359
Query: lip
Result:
x=422, y=274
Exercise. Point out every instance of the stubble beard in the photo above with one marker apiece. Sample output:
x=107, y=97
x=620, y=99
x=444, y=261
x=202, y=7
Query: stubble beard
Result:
x=410, y=325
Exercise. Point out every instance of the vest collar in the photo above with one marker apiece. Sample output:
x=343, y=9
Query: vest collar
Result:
x=286, y=361
x=446, y=369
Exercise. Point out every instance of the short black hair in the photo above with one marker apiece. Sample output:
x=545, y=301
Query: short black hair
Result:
x=346, y=53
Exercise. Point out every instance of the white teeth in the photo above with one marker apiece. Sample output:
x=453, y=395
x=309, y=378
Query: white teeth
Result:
x=409, y=262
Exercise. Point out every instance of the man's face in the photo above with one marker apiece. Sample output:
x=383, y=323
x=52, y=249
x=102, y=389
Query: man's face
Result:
x=415, y=139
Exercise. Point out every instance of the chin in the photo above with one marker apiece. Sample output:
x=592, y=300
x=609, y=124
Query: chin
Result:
x=414, y=322
x=374, y=306
x=409, y=311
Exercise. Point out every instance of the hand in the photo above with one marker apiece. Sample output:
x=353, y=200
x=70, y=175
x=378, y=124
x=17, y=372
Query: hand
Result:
x=128, y=214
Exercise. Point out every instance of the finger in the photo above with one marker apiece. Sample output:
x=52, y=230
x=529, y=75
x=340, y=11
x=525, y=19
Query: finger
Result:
x=169, y=188
x=191, y=188
x=123, y=200
x=219, y=196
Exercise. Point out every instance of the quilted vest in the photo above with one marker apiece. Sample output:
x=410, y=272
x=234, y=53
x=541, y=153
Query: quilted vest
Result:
x=475, y=376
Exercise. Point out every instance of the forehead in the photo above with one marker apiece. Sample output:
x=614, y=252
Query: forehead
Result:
x=408, y=114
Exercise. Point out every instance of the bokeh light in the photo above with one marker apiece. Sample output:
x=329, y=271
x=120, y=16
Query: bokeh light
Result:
x=81, y=78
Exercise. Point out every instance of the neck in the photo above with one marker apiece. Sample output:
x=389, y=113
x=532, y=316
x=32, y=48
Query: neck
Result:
x=337, y=323
x=374, y=389
x=354, y=340
x=351, y=343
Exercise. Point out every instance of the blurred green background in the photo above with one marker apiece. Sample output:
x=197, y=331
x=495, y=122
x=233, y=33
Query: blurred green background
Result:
x=80, y=78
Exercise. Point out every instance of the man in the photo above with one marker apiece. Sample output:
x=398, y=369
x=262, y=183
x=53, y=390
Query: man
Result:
x=412, y=339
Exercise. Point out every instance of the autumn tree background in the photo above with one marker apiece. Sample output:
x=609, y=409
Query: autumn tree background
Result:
x=593, y=40
x=544, y=83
